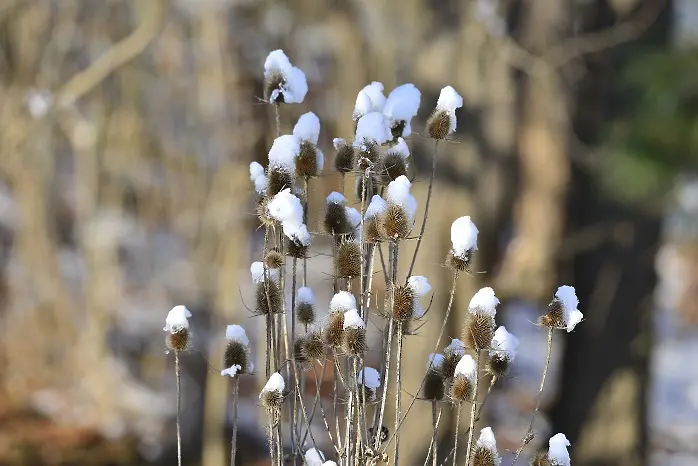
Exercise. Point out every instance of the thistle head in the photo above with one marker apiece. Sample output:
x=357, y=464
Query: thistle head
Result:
x=283, y=82
x=177, y=328
x=442, y=122
x=562, y=310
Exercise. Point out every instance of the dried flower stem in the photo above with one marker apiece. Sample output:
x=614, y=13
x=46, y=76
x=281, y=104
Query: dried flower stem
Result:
x=455, y=437
x=398, y=392
x=529, y=432
x=426, y=208
x=178, y=375
x=473, y=408
x=277, y=118
x=291, y=368
x=434, y=437
x=234, y=441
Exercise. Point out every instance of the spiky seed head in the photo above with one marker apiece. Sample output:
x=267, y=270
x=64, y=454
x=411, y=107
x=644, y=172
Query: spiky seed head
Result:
x=461, y=389
x=367, y=155
x=483, y=457
x=458, y=263
x=403, y=306
x=366, y=394
x=541, y=459
x=448, y=366
x=434, y=385
x=272, y=82
x=347, y=259
x=344, y=158
x=268, y=298
x=236, y=353
x=298, y=353
x=371, y=233
x=334, y=329
x=479, y=331
x=372, y=187
x=313, y=347
x=278, y=181
x=179, y=341
x=439, y=124
x=296, y=249
x=264, y=218
x=498, y=365
x=306, y=161
x=274, y=259
x=394, y=223
x=354, y=341
x=397, y=128
x=555, y=317
x=272, y=400
x=305, y=313
x=392, y=166
x=336, y=220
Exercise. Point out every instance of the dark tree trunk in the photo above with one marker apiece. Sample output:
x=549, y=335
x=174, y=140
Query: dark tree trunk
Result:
x=602, y=407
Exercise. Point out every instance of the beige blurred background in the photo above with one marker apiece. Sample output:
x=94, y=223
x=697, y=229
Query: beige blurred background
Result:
x=126, y=131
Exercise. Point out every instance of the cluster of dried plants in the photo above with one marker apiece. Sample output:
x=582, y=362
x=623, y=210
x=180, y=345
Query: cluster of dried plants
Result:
x=304, y=339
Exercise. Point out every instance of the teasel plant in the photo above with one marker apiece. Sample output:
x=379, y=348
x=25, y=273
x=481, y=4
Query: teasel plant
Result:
x=367, y=228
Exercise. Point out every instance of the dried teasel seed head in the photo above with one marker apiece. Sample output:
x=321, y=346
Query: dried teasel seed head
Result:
x=272, y=82
x=394, y=223
x=434, y=385
x=298, y=353
x=278, y=181
x=461, y=389
x=392, y=166
x=367, y=155
x=397, y=128
x=305, y=313
x=439, y=124
x=484, y=457
x=178, y=341
x=313, y=347
x=354, y=341
x=306, y=161
x=498, y=365
x=344, y=157
x=264, y=218
x=236, y=353
x=273, y=260
x=555, y=317
x=404, y=301
x=479, y=331
x=448, y=366
x=268, y=298
x=366, y=394
x=372, y=187
x=347, y=259
x=334, y=329
x=336, y=220
x=541, y=459
x=272, y=399
x=460, y=263
x=296, y=249
x=371, y=233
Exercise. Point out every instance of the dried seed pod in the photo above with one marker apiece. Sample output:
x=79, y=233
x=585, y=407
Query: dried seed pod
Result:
x=461, y=389
x=273, y=259
x=479, y=331
x=179, y=341
x=301, y=360
x=334, y=329
x=541, y=459
x=392, y=166
x=344, y=157
x=313, y=347
x=434, y=385
x=336, y=220
x=354, y=341
x=449, y=363
x=555, y=317
x=305, y=313
x=498, y=365
x=347, y=259
x=264, y=218
x=367, y=155
x=268, y=298
x=278, y=181
x=484, y=457
x=439, y=124
x=296, y=249
x=274, y=81
x=237, y=354
x=460, y=263
x=371, y=233
x=394, y=223
x=397, y=128
x=404, y=301
x=306, y=160
x=272, y=399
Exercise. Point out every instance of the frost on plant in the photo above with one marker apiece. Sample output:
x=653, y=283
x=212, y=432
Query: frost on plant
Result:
x=176, y=319
x=257, y=272
x=283, y=82
x=442, y=122
x=557, y=450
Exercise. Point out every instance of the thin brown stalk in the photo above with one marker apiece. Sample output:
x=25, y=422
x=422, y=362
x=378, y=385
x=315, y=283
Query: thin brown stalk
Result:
x=434, y=436
x=234, y=441
x=529, y=432
x=178, y=375
x=473, y=409
x=455, y=437
x=277, y=118
x=426, y=208
x=398, y=392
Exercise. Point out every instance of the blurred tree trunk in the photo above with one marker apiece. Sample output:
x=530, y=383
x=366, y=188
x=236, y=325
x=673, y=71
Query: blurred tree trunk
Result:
x=602, y=406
